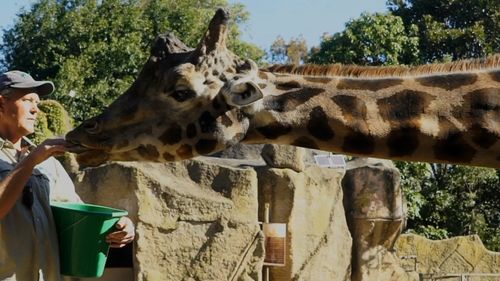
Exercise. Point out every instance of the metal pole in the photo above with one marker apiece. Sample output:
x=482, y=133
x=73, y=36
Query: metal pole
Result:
x=266, y=220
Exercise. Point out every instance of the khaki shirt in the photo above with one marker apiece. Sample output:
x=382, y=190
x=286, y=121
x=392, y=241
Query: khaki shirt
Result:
x=28, y=241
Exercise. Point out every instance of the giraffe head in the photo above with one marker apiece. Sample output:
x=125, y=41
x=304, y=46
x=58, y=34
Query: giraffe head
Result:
x=185, y=102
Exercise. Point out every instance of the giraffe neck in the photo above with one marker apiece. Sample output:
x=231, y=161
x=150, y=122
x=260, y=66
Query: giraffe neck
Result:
x=443, y=117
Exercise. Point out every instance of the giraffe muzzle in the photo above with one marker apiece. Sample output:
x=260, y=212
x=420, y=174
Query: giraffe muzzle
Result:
x=92, y=158
x=76, y=148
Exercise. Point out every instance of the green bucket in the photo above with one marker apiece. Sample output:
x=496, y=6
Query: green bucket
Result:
x=82, y=230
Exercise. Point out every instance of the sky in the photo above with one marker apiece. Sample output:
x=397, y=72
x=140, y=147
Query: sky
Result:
x=269, y=18
x=309, y=18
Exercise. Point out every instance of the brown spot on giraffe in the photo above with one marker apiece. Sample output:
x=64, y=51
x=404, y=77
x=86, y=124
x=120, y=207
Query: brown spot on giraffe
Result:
x=365, y=84
x=354, y=111
x=454, y=149
x=483, y=137
x=184, y=151
x=318, y=125
x=149, y=152
x=262, y=75
x=290, y=100
x=306, y=142
x=289, y=85
x=205, y=146
x=274, y=130
x=495, y=75
x=172, y=134
x=449, y=81
x=402, y=142
x=168, y=157
x=216, y=104
x=207, y=122
x=404, y=108
x=483, y=102
x=191, y=130
x=479, y=107
x=226, y=121
x=321, y=80
x=358, y=143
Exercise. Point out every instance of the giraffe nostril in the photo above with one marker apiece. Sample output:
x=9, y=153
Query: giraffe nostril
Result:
x=91, y=126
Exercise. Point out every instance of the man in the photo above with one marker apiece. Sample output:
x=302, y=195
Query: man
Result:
x=29, y=179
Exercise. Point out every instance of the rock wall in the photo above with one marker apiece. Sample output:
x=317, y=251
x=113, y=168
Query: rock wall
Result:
x=373, y=201
x=318, y=240
x=195, y=220
x=199, y=219
x=464, y=254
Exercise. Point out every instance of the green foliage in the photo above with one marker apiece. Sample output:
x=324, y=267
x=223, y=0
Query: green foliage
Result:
x=94, y=49
x=41, y=129
x=53, y=120
x=58, y=120
x=452, y=28
x=450, y=200
x=431, y=232
x=372, y=39
x=412, y=185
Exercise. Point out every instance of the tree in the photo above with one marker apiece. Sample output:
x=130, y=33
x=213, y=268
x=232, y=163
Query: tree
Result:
x=93, y=49
x=53, y=120
x=452, y=28
x=371, y=39
x=450, y=200
x=293, y=52
x=277, y=51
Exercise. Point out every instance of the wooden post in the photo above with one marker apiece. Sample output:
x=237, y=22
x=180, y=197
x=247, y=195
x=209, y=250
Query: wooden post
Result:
x=266, y=220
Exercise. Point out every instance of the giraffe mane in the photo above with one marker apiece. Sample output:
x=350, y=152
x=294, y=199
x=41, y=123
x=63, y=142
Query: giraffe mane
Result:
x=387, y=71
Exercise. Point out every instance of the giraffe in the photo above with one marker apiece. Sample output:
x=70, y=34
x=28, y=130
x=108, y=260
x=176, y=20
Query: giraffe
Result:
x=188, y=102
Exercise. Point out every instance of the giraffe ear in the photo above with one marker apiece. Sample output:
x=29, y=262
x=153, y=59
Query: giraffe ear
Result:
x=167, y=45
x=243, y=93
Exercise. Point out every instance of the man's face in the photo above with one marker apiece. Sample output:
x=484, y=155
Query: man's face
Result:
x=19, y=112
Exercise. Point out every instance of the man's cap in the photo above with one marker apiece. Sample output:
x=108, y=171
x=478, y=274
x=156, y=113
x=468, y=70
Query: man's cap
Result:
x=21, y=80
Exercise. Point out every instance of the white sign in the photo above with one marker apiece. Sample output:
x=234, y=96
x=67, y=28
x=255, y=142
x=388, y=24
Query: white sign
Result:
x=330, y=160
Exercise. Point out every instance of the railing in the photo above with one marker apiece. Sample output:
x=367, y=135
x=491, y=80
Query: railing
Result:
x=459, y=276
x=412, y=266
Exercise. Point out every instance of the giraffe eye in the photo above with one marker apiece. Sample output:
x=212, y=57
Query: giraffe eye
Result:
x=183, y=95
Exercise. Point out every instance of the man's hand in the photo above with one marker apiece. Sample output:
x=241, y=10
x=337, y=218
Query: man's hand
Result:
x=124, y=235
x=48, y=148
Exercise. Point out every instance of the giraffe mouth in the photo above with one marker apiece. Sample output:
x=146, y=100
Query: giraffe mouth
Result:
x=77, y=148
x=88, y=156
x=92, y=157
